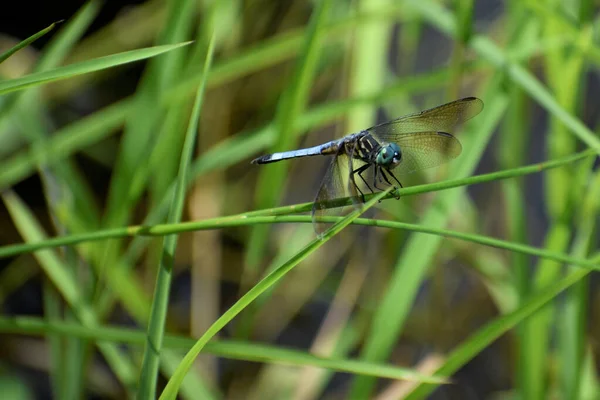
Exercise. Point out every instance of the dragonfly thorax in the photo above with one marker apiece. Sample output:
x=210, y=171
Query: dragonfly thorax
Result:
x=389, y=156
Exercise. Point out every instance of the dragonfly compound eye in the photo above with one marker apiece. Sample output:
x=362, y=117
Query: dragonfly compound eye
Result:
x=396, y=154
x=385, y=156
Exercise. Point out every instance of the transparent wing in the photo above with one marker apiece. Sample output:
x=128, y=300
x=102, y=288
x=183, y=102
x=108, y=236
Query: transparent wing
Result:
x=423, y=150
x=336, y=184
x=444, y=118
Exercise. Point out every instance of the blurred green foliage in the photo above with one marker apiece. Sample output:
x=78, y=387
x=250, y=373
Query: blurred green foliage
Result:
x=489, y=286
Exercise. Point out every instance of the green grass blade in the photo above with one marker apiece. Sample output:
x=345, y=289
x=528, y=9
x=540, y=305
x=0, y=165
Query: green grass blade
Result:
x=573, y=318
x=271, y=179
x=67, y=37
x=368, y=66
x=245, y=220
x=564, y=72
x=237, y=350
x=84, y=67
x=268, y=281
x=237, y=220
x=27, y=41
x=158, y=316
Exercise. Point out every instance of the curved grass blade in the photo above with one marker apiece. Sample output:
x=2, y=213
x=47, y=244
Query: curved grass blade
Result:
x=236, y=350
x=234, y=220
x=268, y=281
x=85, y=67
x=27, y=41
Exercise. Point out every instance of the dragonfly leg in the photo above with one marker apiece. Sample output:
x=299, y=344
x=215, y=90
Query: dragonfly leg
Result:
x=359, y=171
x=378, y=171
x=382, y=177
x=396, y=179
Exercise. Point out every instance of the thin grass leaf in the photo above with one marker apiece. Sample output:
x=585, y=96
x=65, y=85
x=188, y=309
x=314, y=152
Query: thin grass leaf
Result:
x=66, y=38
x=84, y=67
x=368, y=66
x=158, y=316
x=264, y=284
x=573, y=319
x=245, y=220
x=27, y=41
x=236, y=350
x=290, y=107
x=564, y=79
x=238, y=220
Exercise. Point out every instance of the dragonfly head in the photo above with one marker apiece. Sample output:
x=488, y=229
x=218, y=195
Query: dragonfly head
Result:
x=389, y=156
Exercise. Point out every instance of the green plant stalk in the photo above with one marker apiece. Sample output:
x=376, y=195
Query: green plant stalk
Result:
x=264, y=284
x=158, y=313
x=572, y=330
x=512, y=152
x=58, y=362
x=27, y=42
x=291, y=105
x=464, y=11
x=237, y=350
x=537, y=329
x=178, y=28
x=368, y=67
x=130, y=173
x=192, y=386
x=239, y=220
x=573, y=319
x=562, y=194
x=84, y=67
x=54, y=54
x=169, y=229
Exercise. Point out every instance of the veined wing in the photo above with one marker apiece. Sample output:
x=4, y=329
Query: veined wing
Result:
x=336, y=184
x=423, y=150
x=444, y=118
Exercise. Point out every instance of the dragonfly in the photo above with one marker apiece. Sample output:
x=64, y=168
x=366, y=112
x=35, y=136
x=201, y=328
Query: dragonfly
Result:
x=375, y=155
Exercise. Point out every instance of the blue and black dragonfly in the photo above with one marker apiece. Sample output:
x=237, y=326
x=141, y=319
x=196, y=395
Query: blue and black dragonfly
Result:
x=401, y=146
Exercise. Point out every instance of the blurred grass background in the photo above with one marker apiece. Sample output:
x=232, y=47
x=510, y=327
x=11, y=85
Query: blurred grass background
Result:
x=93, y=144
